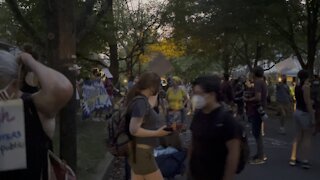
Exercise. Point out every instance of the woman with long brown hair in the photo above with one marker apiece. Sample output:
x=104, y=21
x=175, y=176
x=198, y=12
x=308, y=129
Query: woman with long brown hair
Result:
x=143, y=127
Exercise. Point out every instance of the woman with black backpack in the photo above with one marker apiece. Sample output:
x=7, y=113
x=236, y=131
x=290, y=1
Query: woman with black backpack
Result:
x=143, y=127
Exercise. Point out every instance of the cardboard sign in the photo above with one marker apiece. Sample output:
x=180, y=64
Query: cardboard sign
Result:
x=12, y=136
x=160, y=65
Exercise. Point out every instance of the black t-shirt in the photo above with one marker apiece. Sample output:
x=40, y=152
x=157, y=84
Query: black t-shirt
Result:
x=210, y=132
x=227, y=93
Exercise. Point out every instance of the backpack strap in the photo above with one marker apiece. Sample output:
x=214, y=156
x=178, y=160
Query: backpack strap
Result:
x=141, y=97
x=29, y=104
x=32, y=115
x=129, y=109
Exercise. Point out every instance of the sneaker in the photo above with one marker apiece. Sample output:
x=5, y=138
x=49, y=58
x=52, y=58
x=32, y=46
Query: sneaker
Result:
x=257, y=161
x=265, y=158
x=306, y=165
x=294, y=162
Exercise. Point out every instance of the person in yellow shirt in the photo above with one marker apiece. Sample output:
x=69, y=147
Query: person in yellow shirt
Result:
x=177, y=100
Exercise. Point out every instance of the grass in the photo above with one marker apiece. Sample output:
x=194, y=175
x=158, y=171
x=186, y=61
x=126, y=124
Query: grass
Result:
x=91, y=147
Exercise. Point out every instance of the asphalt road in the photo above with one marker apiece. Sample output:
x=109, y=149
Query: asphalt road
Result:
x=278, y=149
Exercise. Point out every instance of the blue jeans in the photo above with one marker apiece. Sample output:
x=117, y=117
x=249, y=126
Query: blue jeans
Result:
x=256, y=122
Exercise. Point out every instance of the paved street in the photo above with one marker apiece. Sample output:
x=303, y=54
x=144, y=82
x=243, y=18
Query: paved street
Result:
x=278, y=148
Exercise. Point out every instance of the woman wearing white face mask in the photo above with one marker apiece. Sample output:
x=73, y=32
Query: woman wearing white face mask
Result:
x=215, y=145
x=39, y=110
x=198, y=102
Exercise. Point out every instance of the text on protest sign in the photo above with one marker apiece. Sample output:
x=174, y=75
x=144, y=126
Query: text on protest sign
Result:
x=12, y=136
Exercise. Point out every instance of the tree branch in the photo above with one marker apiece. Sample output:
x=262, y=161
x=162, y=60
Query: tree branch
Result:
x=93, y=20
x=87, y=11
x=290, y=39
x=266, y=69
x=275, y=62
x=13, y=5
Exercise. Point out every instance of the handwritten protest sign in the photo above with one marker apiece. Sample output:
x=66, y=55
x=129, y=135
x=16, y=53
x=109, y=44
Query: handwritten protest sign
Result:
x=12, y=136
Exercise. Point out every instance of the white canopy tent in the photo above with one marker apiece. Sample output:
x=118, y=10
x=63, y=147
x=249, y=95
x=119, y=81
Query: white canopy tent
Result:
x=289, y=66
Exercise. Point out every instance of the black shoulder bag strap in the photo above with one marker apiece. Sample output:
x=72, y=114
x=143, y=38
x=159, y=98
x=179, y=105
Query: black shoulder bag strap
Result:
x=33, y=113
x=129, y=110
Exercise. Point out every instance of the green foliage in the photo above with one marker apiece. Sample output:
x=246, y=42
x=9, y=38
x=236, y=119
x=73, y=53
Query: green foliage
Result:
x=191, y=67
x=234, y=32
x=137, y=28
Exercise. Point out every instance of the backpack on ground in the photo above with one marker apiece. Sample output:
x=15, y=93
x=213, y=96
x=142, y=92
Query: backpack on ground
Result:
x=173, y=164
x=118, y=136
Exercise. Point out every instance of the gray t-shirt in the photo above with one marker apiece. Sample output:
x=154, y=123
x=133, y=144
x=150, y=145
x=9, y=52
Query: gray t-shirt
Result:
x=260, y=86
x=140, y=108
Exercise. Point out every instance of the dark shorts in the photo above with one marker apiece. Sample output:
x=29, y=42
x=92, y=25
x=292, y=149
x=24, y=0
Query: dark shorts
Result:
x=240, y=108
x=145, y=162
x=303, y=120
x=256, y=122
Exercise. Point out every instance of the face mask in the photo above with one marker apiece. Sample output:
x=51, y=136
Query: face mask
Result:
x=198, y=101
x=4, y=96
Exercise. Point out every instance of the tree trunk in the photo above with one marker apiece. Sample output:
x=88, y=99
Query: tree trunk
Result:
x=60, y=50
x=226, y=63
x=114, y=63
x=298, y=55
x=139, y=68
x=112, y=41
x=52, y=44
x=67, y=51
x=311, y=57
x=312, y=28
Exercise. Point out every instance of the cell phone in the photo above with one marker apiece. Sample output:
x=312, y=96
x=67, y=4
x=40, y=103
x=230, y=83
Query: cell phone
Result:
x=168, y=129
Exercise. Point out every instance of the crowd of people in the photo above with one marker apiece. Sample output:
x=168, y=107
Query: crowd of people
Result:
x=216, y=139
x=212, y=107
